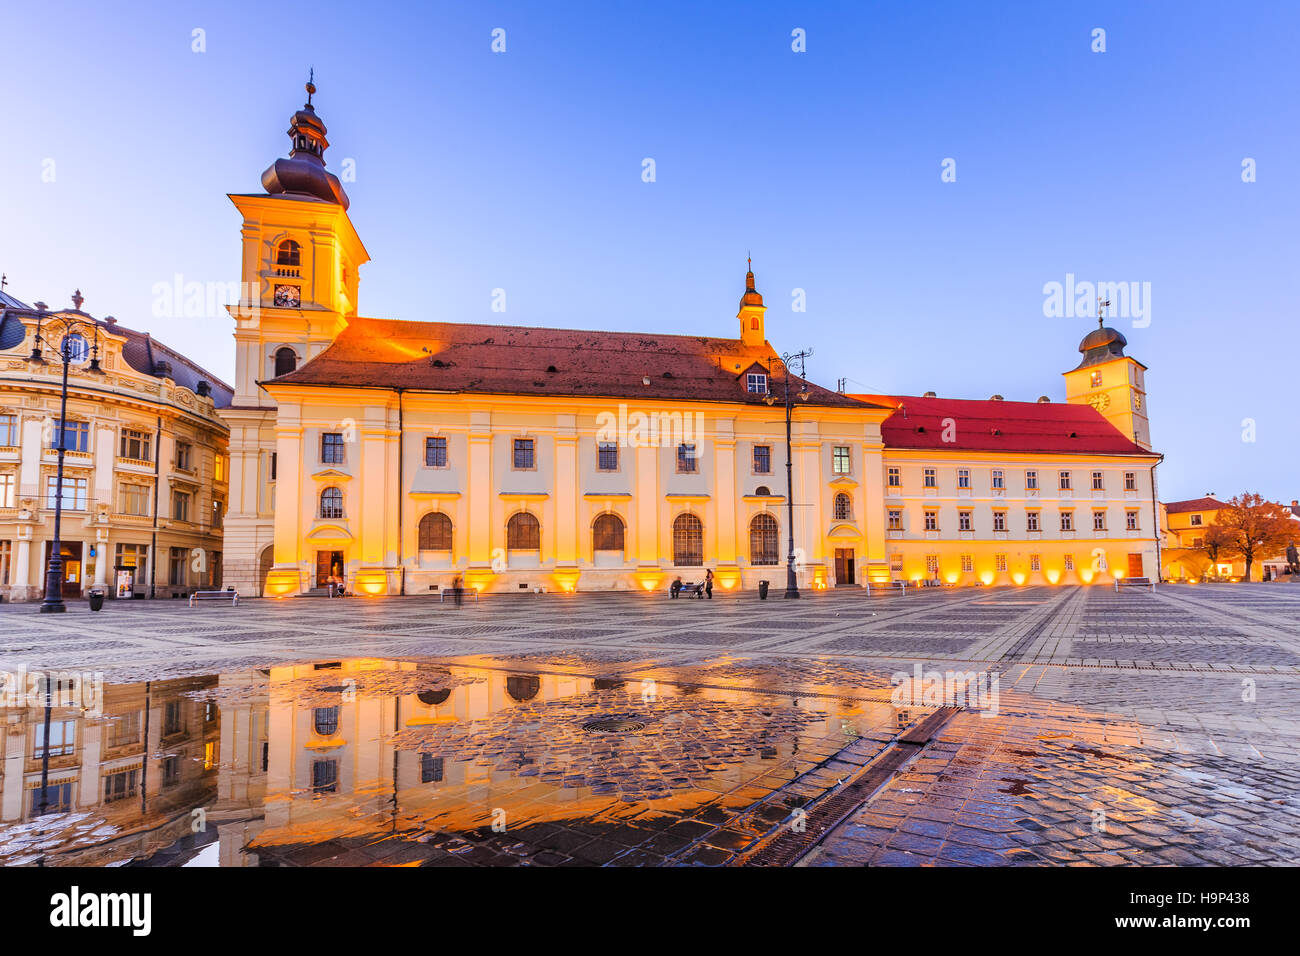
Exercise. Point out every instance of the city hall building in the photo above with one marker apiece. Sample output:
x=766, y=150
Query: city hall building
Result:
x=400, y=456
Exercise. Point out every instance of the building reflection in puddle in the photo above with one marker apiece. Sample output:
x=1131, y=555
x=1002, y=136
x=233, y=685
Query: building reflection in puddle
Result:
x=272, y=763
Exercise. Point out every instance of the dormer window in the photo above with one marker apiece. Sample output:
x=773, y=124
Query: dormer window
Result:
x=289, y=253
x=1096, y=379
x=756, y=383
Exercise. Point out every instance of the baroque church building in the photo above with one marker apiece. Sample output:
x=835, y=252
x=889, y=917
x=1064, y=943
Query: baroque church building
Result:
x=399, y=456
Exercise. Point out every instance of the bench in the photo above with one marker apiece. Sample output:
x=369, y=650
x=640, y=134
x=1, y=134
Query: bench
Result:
x=1134, y=583
x=231, y=596
x=887, y=586
x=455, y=591
x=690, y=588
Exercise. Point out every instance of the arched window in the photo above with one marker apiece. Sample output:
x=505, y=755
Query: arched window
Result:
x=76, y=347
x=764, y=547
x=843, y=507
x=688, y=541
x=331, y=503
x=523, y=533
x=523, y=688
x=286, y=360
x=607, y=533
x=435, y=532
x=289, y=253
x=325, y=720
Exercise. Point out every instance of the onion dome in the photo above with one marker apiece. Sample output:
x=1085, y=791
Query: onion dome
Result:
x=1101, y=345
x=751, y=296
x=303, y=172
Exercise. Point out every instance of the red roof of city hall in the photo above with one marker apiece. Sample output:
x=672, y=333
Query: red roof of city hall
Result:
x=516, y=360
x=996, y=425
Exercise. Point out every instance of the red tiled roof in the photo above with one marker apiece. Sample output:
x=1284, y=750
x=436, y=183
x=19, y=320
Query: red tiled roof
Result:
x=515, y=360
x=1001, y=426
x=1193, y=504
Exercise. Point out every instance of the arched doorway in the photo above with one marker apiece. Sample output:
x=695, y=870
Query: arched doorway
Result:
x=264, y=563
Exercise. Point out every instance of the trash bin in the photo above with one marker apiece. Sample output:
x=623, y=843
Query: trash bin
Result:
x=762, y=590
x=96, y=599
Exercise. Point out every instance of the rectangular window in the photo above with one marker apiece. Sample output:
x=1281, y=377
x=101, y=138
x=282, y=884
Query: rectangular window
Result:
x=1065, y=481
x=1031, y=521
x=134, y=499
x=999, y=521
x=840, y=461
x=931, y=480
x=273, y=462
x=1098, y=481
x=6, y=491
x=1196, y=521
x=895, y=478
x=1130, y=481
x=1034, y=563
x=607, y=456
x=136, y=444
x=6, y=559
x=932, y=521
x=762, y=459
x=8, y=431
x=895, y=520
x=76, y=436
x=1067, y=520
x=896, y=562
x=74, y=492
x=435, y=452
x=172, y=718
x=1000, y=562
x=1131, y=520
x=523, y=457
x=331, y=448
x=1099, y=521
x=131, y=556
x=1069, y=562
x=181, y=505
x=1094, y=379
x=125, y=730
x=184, y=456
x=63, y=737
x=756, y=383
x=932, y=564
x=430, y=768
x=963, y=477
x=967, y=562
x=219, y=467
x=1031, y=480
x=963, y=521
x=218, y=512
x=121, y=786
x=686, y=460
x=999, y=481
x=176, y=567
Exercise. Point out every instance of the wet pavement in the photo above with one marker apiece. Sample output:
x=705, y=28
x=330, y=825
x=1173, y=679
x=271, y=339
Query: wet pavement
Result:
x=595, y=729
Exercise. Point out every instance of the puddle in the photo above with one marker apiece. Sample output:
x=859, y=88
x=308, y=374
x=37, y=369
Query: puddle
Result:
x=371, y=761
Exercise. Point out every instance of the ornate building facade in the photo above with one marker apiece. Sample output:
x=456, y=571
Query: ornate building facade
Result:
x=401, y=456
x=145, y=471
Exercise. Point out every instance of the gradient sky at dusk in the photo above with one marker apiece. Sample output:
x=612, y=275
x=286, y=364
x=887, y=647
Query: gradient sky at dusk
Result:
x=522, y=171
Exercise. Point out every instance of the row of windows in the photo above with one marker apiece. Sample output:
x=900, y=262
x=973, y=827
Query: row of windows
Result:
x=133, y=499
x=968, y=562
x=524, y=451
x=132, y=443
x=965, y=520
x=997, y=479
x=524, y=533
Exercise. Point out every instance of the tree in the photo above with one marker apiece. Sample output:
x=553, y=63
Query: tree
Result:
x=1256, y=527
x=1219, y=544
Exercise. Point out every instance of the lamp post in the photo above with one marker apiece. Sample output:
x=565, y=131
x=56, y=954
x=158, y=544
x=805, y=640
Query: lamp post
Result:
x=791, y=581
x=72, y=348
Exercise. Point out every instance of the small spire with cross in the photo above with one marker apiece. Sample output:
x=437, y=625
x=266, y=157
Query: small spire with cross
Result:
x=1101, y=304
x=311, y=84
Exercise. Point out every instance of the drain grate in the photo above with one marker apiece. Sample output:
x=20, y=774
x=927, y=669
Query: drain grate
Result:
x=614, y=725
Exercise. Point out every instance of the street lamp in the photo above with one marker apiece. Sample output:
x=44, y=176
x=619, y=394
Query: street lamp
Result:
x=791, y=582
x=72, y=348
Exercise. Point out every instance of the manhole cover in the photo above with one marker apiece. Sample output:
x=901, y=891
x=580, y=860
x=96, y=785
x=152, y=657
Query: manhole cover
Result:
x=614, y=725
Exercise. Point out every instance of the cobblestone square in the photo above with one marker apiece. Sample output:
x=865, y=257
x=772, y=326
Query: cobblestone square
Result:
x=615, y=729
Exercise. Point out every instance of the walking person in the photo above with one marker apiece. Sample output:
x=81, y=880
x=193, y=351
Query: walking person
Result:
x=457, y=592
x=708, y=583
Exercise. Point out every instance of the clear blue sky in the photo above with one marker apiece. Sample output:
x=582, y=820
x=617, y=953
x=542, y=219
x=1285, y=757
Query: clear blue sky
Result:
x=522, y=171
